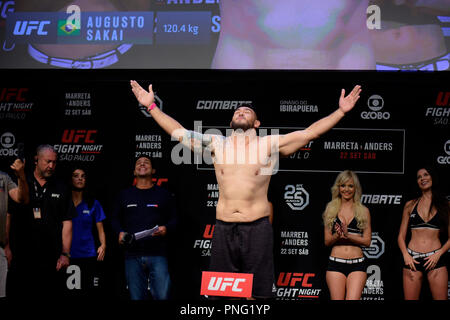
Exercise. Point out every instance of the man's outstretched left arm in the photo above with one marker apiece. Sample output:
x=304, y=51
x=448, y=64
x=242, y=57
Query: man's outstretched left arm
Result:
x=293, y=141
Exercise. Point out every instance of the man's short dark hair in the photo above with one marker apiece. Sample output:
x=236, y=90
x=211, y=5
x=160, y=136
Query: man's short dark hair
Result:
x=247, y=105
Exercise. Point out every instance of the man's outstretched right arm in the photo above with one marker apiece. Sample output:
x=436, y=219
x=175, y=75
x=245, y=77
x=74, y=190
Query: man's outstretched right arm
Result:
x=189, y=138
x=167, y=123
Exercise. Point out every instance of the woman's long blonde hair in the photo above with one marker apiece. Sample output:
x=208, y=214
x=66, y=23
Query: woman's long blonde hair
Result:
x=332, y=209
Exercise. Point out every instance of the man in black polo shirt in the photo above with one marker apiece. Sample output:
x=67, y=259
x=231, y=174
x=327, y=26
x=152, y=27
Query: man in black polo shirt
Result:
x=139, y=208
x=41, y=232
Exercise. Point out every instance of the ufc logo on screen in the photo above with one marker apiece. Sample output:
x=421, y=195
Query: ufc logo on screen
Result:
x=26, y=28
x=227, y=284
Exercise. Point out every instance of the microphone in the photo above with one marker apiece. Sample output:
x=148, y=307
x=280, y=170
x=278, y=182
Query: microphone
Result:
x=129, y=238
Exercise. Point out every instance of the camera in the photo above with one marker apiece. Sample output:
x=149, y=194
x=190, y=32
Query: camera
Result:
x=128, y=239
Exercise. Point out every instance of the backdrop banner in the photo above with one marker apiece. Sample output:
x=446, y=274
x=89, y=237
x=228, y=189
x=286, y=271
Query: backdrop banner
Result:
x=92, y=118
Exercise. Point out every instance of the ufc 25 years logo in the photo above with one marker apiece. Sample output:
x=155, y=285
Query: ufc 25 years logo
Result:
x=296, y=197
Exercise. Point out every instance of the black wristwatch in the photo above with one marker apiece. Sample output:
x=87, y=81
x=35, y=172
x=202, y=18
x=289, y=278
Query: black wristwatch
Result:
x=65, y=254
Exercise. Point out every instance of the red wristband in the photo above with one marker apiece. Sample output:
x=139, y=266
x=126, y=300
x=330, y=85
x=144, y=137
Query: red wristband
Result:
x=151, y=107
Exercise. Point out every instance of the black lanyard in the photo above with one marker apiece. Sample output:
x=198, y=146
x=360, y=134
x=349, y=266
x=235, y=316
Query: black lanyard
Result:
x=39, y=195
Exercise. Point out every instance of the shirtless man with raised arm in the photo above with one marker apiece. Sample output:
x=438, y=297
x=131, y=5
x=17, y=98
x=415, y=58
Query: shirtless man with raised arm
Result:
x=242, y=239
x=293, y=34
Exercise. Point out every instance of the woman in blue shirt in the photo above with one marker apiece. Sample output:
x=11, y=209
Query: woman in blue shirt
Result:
x=86, y=250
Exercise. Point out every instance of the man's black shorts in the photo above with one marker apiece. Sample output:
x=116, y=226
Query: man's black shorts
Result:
x=245, y=247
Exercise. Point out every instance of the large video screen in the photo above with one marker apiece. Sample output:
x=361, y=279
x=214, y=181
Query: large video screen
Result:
x=226, y=34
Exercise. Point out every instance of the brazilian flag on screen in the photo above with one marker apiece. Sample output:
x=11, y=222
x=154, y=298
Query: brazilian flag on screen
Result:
x=67, y=28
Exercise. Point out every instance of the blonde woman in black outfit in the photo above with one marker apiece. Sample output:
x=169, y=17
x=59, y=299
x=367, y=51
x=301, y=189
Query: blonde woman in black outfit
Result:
x=347, y=229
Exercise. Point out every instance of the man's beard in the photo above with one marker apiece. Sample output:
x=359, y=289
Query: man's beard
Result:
x=47, y=174
x=244, y=126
